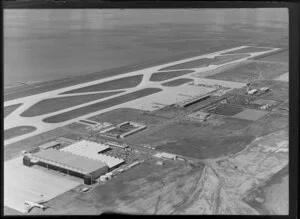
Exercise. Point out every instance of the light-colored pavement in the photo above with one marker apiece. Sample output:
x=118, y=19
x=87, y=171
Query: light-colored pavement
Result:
x=14, y=119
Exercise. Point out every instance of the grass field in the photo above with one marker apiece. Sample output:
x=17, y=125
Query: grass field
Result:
x=279, y=90
x=269, y=123
x=284, y=77
x=247, y=50
x=250, y=114
x=19, y=92
x=17, y=131
x=55, y=104
x=200, y=140
x=101, y=105
x=227, y=58
x=14, y=149
x=204, y=62
x=282, y=56
x=126, y=114
x=162, y=76
x=9, y=109
x=225, y=109
x=177, y=82
x=252, y=70
x=120, y=83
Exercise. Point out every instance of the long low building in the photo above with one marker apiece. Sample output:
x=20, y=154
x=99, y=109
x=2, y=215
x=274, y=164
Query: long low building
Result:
x=68, y=163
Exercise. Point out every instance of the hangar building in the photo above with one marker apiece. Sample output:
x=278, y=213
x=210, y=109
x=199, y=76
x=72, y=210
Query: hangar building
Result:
x=68, y=163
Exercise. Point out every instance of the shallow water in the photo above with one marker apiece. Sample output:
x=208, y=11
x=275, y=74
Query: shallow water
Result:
x=49, y=44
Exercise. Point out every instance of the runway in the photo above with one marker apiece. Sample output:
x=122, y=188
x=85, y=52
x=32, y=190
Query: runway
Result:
x=14, y=119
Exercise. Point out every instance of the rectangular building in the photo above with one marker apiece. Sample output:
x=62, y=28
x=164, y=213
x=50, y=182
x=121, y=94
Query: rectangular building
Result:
x=50, y=144
x=69, y=163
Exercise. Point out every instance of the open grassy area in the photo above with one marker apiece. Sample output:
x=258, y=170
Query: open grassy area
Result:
x=162, y=76
x=204, y=62
x=126, y=114
x=9, y=109
x=225, y=109
x=200, y=140
x=14, y=149
x=269, y=123
x=250, y=114
x=101, y=105
x=23, y=91
x=282, y=56
x=177, y=82
x=218, y=60
x=55, y=104
x=247, y=50
x=120, y=83
x=17, y=131
x=252, y=70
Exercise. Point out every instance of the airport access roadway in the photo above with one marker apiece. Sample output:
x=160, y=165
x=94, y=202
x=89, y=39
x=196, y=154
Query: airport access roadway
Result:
x=14, y=119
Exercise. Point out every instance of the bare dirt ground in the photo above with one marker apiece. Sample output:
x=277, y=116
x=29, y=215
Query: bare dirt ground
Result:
x=219, y=187
x=166, y=190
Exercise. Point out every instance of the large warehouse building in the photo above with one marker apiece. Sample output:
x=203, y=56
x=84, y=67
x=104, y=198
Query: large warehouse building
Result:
x=68, y=163
x=83, y=159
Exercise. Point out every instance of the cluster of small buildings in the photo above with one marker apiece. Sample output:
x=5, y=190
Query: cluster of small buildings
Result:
x=254, y=91
x=123, y=130
x=99, y=126
x=168, y=156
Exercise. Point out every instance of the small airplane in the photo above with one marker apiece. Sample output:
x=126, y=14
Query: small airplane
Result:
x=40, y=204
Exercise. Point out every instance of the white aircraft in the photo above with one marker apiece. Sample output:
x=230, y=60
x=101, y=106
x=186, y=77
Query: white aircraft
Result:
x=30, y=205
